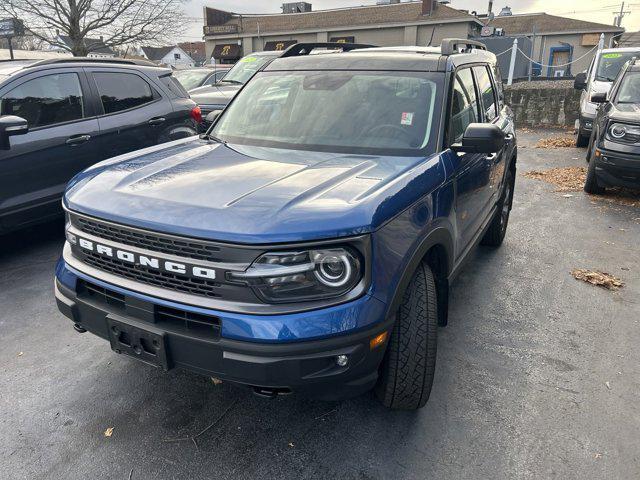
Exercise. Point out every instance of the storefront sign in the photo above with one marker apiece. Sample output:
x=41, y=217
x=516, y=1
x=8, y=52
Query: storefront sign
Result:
x=220, y=29
x=343, y=40
x=279, y=45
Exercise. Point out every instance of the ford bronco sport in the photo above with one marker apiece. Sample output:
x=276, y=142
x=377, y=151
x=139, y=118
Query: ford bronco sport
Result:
x=307, y=242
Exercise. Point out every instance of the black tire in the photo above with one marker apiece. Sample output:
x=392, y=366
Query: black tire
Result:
x=591, y=184
x=406, y=373
x=494, y=236
x=582, y=140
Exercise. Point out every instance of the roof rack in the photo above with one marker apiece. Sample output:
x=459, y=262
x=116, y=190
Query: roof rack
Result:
x=121, y=61
x=300, y=49
x=451, y=46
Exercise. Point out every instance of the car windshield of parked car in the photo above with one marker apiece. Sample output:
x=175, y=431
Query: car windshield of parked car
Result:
x=191, y=79
x=610, y=64
x=353, y=112
x=630, y=89
x=246, y=68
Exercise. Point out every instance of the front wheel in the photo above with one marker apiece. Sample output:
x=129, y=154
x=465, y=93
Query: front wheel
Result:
x=582, y=140
x=497, y=230
x=406, y=373
x=591, y=183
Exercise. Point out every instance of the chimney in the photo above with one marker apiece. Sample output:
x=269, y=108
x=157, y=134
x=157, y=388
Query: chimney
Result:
x=428, y=6
x=490, y=7
x=101, y=39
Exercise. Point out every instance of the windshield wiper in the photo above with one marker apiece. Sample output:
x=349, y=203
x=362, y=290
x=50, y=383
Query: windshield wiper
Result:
x=235, y=82
x=207, y=136
x=604, y=79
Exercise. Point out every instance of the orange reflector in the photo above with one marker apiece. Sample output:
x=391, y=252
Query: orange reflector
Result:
x=379, y=340
x=598, y=153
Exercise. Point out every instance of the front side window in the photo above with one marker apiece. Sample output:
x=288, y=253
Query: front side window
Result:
x=354, y=112
x=485, y=87
x=610, y=64
x=629, y=91
x=464, y=109
x=122, y=91
x=45, y=101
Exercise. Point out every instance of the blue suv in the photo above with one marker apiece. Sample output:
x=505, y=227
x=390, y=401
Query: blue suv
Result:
x=307, y=242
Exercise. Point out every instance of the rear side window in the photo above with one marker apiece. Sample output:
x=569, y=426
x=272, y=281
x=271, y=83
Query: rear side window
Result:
x=485, y=87
x=122, y=91
x=46, y=100
x=174, y=86
x=464, y=104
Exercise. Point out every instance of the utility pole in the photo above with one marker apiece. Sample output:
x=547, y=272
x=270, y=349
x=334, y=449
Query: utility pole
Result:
x=620, y=15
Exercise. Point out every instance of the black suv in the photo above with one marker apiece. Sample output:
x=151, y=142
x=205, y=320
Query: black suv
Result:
x=614, y=150
x=58, y=117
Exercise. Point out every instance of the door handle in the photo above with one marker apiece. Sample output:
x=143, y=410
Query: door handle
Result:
x=157, y=121
x=78, y=140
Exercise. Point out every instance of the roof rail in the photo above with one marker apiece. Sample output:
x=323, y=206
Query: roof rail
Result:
x=300, y=49
x=451, y=46
x=121, y=61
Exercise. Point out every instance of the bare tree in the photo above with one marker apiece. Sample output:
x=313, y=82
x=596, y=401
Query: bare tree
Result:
x=118, y=22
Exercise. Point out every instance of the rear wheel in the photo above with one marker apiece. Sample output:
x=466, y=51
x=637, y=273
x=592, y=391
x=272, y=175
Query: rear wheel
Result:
x=406, y=373
x=494, y=236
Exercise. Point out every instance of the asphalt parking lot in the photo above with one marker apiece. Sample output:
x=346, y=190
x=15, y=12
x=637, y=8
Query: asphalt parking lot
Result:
x=538, y=374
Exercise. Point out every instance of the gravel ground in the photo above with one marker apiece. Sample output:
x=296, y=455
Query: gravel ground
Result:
x=538, y=374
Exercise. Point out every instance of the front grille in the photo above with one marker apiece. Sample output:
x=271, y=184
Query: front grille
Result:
x=102, y=295
x=150, y=276
x=190, y=322
x=143, y=239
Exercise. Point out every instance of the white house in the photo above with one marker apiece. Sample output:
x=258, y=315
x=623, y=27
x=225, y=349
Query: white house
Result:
x=96, y=45
x=173, y=56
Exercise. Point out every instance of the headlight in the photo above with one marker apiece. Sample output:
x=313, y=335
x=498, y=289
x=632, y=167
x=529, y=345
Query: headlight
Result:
x=623, y=133
x=315, y=274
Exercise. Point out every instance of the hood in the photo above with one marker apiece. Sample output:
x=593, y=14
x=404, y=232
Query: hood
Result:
x=251, y=194
x=625, y=112
x=214, y=95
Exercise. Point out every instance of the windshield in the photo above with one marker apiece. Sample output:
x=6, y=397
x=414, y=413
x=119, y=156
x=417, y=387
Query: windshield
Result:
x=610, y=64
x=246, y=68
x=191, y=79
x=630, y=89
x=354, y=112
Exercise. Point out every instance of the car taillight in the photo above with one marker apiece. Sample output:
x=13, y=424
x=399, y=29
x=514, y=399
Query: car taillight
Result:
x=196, y=114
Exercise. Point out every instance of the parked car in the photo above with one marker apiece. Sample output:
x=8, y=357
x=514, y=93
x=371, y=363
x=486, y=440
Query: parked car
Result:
x=614, y=150
x=290, y=251
x=216, y=97
x=191, y=78
x=603, y=70
x=58, y=117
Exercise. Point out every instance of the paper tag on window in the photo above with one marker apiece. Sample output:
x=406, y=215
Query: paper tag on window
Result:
x=407, y=118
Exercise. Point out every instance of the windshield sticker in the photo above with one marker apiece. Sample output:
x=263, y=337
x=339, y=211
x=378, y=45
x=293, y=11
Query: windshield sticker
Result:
x=249, y=59
x=407, y=118
x=611, y=55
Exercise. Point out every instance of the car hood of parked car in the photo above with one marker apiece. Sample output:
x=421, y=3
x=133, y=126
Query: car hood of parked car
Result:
x=198, y=188
x=625, y=112
x=220, y=94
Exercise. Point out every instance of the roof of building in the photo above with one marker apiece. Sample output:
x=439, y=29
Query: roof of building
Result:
x=545, y=23
x=630, y=39
x=195, y=50
x=157, y=53
x=94, y=45
x=405, y=12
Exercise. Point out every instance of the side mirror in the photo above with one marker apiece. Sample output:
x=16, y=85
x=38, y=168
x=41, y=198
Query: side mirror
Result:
x=580, y=83
x=600, y=97
x=481, y=138
x=11, y=125
x=212, y=116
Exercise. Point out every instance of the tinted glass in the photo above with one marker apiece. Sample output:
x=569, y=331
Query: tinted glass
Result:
x=122, y=91
x=334, y=111
x=485, y=87
x=247, y=67
x=46, y=100
x=191, y=79
x=610, y=64
x=464, y=104
x=630, y=89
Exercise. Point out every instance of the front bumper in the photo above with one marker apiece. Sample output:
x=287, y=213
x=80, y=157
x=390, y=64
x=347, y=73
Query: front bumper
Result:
x=307, y=367
x=616, y=169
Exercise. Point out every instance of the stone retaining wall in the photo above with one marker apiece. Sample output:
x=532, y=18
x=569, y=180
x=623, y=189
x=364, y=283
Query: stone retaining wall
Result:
x=549, y=103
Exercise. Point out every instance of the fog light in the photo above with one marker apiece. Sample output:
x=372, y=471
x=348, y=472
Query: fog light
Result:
x=72, y=239
x=342, y=360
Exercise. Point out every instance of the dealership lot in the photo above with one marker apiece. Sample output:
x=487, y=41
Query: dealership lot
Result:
x=538, y=374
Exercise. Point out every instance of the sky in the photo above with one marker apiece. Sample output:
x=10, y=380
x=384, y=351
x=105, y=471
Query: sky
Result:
x=600, y=11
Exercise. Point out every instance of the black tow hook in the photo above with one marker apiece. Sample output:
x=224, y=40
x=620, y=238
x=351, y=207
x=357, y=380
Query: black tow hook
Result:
x=78, y=328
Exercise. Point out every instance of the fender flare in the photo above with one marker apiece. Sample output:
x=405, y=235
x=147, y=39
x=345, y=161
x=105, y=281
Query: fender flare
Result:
x=438, y=236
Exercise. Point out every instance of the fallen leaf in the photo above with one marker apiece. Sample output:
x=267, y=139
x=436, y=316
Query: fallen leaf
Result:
x=597, y=455
x=20, y=354
x=108, y=432
x=291, y=444
x=608, y=385
x=599, y=279
x=566, y=179
x=556, y=142
x=216, y=381
x=568, y=195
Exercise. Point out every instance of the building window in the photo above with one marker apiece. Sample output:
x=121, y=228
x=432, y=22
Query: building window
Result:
x=176, y=56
